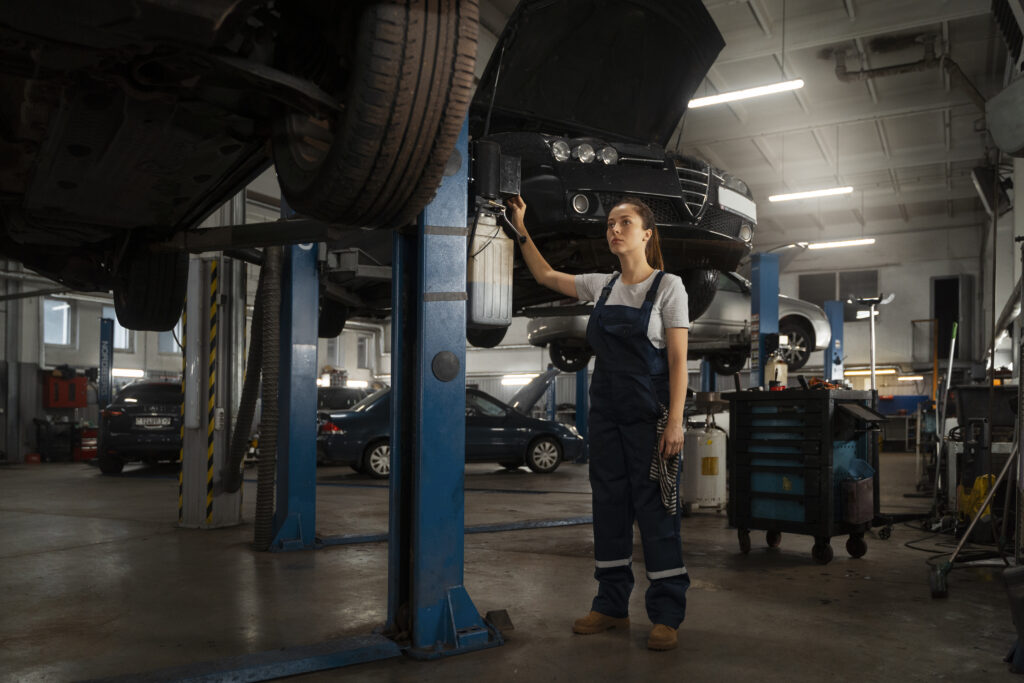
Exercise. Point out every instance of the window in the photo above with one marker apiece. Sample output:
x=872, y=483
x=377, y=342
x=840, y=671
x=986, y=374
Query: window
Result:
x=363, y=350
x=332, y=356
x=122, y=338
x=167, y=342
x=821, y=287
x=57, y=322
x=478, y=405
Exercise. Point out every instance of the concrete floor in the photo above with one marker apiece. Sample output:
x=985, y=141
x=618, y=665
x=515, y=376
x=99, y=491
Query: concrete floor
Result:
x=96, y=580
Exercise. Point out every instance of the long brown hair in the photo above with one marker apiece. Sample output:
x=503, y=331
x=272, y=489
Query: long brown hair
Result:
x=653, y=249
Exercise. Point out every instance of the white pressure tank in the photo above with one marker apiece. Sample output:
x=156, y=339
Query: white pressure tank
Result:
x=704, y=484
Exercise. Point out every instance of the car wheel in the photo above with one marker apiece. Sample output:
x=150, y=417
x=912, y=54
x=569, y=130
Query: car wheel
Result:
x=801, y=343
x=544, y=455
x=485, y=338
x=110, y=464
x=332, y=318
x=377, y=459
x=728, y=363
x=569, y=357
x=407, y=76
x=149, y=289
x=701, y=286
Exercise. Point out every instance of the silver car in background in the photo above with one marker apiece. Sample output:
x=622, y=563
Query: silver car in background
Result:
x=721, y=334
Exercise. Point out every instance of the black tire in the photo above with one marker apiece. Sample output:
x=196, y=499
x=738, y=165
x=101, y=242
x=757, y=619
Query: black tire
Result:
x=379, y=162
x=149, y=289
x=744, y=538
x=544, y=455
x=569, y=357
x=332, y=318
x=801, y=342
x=701, y=286
x=377, y=459
x=856, y=546
x=110, y=464
x=773, y=538
x=485, y=337
x=728, y=363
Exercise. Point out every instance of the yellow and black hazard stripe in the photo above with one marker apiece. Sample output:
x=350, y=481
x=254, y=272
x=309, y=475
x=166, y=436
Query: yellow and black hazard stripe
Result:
x=212, y=395
x=181, y=426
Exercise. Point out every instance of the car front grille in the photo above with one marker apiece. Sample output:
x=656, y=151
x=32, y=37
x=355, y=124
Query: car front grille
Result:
x=694, y=178
x=663, y=209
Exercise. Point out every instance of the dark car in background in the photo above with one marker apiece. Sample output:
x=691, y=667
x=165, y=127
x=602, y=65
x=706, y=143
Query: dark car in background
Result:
x=588, y=94
x=339, y=398
x=495, y=432
x=142, y=423
x=123, y=124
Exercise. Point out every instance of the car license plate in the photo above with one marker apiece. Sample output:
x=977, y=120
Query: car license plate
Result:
x=152, y=422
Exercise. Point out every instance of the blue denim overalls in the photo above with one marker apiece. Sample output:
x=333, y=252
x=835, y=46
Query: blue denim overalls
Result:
x=630, y=381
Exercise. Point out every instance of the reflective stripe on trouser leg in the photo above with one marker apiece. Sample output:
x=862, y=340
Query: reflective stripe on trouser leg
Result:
x=613, y=519
x=660, y=532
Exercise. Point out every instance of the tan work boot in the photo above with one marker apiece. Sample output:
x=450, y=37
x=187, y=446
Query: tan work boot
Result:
x=595, y=622
x=662, y=638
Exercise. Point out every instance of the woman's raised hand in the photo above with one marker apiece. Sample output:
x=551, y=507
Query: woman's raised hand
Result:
x=516, y=212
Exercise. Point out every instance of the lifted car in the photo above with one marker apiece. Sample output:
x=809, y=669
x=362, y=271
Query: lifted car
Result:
x=588, y=94
x=721, y=334
x=124, y=123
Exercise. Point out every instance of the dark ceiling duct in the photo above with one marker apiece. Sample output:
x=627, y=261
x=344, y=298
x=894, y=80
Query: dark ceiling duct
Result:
x=930, y=61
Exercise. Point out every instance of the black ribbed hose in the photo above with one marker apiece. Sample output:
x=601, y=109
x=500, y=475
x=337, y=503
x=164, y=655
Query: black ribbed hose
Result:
x=267, y=461
x=250, y=392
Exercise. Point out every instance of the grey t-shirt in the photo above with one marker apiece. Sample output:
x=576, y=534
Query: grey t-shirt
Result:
x=671, y=305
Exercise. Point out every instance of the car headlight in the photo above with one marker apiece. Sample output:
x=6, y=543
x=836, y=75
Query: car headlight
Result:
x=746, y=232
x=560, y=150
x=584, y=152
x=572, y=429
x=734, y=183
x=608, y=155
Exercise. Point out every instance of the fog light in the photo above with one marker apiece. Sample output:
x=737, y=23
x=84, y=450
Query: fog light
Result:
x=560, y=150
x=580, y=203
x=584, y=152
x=608, y=155
x=745, y=232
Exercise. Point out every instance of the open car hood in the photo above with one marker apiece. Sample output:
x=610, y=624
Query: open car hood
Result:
x=625, y=68
x=524, y=399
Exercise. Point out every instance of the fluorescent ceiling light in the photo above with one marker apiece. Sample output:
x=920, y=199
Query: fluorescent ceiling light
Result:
x=841, y=243
x=863, y=315
x=910, y=378
x=516, y=380
x=126, y=372
x=747, y=93
x=811, y=194
x=865, y=373
x=357, y=384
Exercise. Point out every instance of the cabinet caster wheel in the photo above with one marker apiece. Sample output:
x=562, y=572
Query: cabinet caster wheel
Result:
x=773, y=539
x=856, y=546
x=885, y=532
x=822, y=552
x=744, y=537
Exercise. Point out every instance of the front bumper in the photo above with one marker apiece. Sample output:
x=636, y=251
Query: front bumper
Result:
x=128, y=444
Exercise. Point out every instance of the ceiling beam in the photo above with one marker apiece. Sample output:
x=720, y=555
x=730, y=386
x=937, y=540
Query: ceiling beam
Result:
x=820, y=29
x=761, y=15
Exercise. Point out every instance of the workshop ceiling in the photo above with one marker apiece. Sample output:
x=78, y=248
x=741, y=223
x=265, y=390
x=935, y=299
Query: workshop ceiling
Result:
x=906, y=142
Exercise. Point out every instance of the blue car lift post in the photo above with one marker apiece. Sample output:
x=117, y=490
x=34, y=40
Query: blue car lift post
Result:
x=429, y=610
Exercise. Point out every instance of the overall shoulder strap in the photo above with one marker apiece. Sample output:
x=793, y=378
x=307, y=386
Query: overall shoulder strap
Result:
x=607, y=289
x=652, y=293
